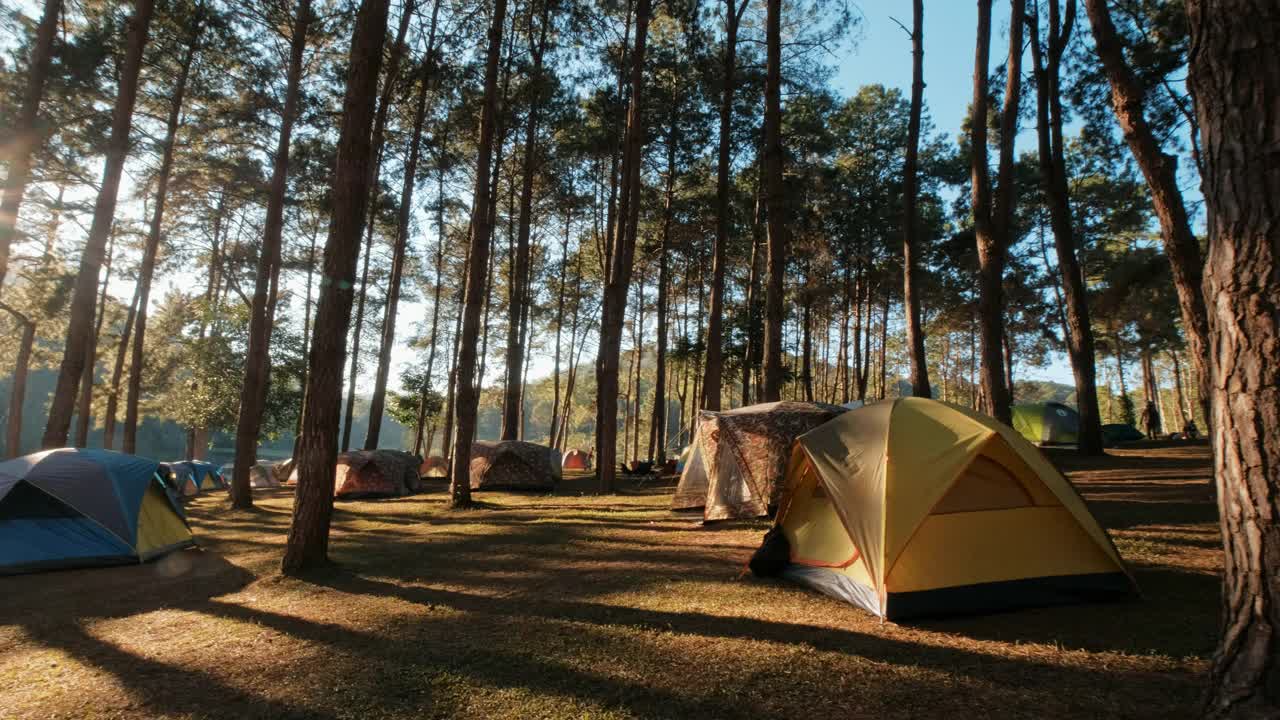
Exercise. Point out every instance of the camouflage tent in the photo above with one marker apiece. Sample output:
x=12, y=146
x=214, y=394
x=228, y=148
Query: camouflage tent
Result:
x=514, y=465
x=739, y=457
x=376, y=473
x=434, y=467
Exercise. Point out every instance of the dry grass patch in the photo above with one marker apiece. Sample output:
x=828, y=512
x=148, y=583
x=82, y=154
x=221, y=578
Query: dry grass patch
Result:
x=580, y=606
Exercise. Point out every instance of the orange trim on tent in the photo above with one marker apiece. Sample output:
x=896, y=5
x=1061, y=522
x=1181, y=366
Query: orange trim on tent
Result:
x=839, y=566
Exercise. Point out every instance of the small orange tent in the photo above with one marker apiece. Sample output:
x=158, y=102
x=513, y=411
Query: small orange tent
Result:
x=577, y=460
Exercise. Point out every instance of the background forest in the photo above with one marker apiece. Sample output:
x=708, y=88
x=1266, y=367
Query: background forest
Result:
x=183, y=253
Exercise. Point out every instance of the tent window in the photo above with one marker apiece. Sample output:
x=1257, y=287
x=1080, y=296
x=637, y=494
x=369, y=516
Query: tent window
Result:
x=984, y=485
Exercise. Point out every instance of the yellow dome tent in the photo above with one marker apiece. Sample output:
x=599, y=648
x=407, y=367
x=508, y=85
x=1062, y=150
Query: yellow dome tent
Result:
x=915, y=507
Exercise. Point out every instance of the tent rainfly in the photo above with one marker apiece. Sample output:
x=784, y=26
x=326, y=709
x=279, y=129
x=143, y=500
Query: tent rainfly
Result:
x=514, y=465
x=914, y=507
x=736, y=466
x=78, y=508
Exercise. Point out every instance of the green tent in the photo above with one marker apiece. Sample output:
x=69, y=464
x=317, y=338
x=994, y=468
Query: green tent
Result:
x=1050, y=423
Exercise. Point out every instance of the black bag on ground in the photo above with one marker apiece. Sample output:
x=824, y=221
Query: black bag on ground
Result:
x=772, y=556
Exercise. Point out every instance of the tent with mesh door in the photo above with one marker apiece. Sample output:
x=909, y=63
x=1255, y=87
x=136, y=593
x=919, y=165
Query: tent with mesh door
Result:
x=514, y=465
x=739, y=456
x=76, y=508
x=914, y=507
x=376, y=473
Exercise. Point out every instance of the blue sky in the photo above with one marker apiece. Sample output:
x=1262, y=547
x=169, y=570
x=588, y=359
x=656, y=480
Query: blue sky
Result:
x=882, y=54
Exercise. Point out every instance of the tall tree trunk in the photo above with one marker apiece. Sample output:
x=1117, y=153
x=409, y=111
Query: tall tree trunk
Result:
x=911, y=220
x=500, y=132
x=152, y=248
x=751, y=343
x=446, y=438
x=435, y=305
x=307, y=545
x=884, y=344
x=560, y=293
x=84, y=409
x=253, y=390
x=1236, y=83
x=18, y=394
x=24, y=136
x=306, y=342
x=85, y=289
x=378, y=402
x=385, y=99
x=637, y=334
x=113, y=392
x=806, y=343
x=991, y=224
x=776, y=203
x=659, y=422
x=516, y=309
x=1053, y=173
x=1161, y=172
x=711, y=384
x=1183, y=410
x=481, y=236
x=614, y=305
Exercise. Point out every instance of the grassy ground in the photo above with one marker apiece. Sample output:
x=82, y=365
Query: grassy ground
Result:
x=571, y=606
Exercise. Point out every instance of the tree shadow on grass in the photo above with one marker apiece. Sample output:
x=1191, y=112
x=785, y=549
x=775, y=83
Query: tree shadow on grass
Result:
x=159, y=687
x=1012, y=671
x=60, y=598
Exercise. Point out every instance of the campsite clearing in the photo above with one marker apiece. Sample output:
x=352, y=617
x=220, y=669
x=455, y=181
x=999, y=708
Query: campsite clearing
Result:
x=603, y=607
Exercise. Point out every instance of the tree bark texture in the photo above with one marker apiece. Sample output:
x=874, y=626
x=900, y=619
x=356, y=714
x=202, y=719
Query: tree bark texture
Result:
x=1236, y=82
x=468, y=394
x=911, y=214
x=993, y=216
x=614, y=305
x=775, y=202
x=1053, y=176
x=307, y=545
x=517, y=307
x=712, y=379
x=1161, y=172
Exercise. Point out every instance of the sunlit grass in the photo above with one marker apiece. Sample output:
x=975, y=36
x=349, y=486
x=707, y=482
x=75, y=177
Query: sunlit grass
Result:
x=574, y=605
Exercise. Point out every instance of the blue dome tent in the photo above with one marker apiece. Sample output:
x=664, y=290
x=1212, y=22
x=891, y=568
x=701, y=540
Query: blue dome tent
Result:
x=76, y=508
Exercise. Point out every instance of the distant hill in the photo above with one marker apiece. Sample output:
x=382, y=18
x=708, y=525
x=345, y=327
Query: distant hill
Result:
x=1040, y=391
